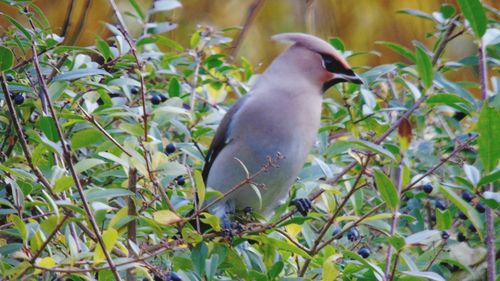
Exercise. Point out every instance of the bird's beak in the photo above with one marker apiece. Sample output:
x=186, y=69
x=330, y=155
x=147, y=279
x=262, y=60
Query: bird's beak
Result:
x=349, y=78
x=340, y=78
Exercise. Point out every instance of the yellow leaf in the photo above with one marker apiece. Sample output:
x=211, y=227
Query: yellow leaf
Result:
x=293, y=229
x=122, y=247
x=109, y=236
x=211, y=220
x=216, y=96
x=166, y=217
x=119, y=215
x=47, y=262
x=330, y=272
x=200, y=187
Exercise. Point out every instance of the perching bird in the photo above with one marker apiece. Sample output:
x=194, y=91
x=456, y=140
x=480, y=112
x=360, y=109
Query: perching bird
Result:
x=281, y=114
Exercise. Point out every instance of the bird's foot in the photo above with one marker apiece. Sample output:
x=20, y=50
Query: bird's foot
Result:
x=230, y=228
x=303, y=205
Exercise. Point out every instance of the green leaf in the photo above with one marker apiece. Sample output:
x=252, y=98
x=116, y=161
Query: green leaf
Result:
x=198, y=256
x=104, y=49
x=21, y=227
x=19, y=26
x=447, y=10
x=137, y=9
x=86, y=164
x=48, y=126
x=397, y=241
x=429, y=275
x=451, y=100
x=132, y=129
x=386, y=189
x=416, y=13
x=211, y=220
x=489, y=135
x=377, y=271
x=374, y=148
x=63, y=183
x=80, y=73
x=164, y=5
x=174, y=87
x=494, y=176
x=424, y=66
x=337, y=43
x=86, y=138
x=423, y=237
x=465, y=207
x=97, y=194
x=475, y=15
x=6, y=58
x=402, y=50
x=444, y=219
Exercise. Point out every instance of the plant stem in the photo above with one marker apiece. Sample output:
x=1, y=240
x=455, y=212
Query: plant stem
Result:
x=395, y=216
x=489, y=215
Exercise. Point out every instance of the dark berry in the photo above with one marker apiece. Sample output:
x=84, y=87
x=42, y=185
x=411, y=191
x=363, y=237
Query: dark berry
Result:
x=134, y=90
x=467, y=196
x=163, y=98
x=364, y=252
x=248, y=210
x=353, y=234
x=462, y=216
x=9, y=77
x=433, y=218
x=480, y=208
x=445, y=235
x=440, y=205
x=461, y=237
x=427, y=188
x=170, y=148
x=472, y=228
x=172, y=276
x=337, y=231
x=450, y=267
x=19, y=99
x=459, y=115
x=155, y=99
x=180, y=180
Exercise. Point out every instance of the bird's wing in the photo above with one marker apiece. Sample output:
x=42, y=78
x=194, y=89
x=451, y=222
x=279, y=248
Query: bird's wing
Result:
x=222, y=137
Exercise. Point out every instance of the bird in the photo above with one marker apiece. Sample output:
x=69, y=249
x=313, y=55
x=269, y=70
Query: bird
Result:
x=281, y=116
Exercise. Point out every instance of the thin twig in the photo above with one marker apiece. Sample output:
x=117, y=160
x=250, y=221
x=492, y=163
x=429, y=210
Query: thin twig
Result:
x=252, y=12
x=489, y=216
x=130, y=42
x=21, y=136
x=81, y=23
x=270, y=163
x=395, y=216
x=66, y=149
x=92, y=120
x=44, y=245
x=331, y=220
x=132, y=212
x=445, y=40
x=69, y=12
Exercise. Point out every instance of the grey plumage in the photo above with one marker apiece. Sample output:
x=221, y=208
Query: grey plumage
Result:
x=281, y=114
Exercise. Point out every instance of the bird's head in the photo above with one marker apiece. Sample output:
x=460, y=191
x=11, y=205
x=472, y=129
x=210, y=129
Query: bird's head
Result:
x=315, y=59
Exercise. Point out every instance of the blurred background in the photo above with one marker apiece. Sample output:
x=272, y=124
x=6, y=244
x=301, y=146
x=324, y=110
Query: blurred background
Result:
x=359, y=24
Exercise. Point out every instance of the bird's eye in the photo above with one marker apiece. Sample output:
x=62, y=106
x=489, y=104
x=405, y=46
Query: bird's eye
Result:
x=327, y=62
x=331, y=64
